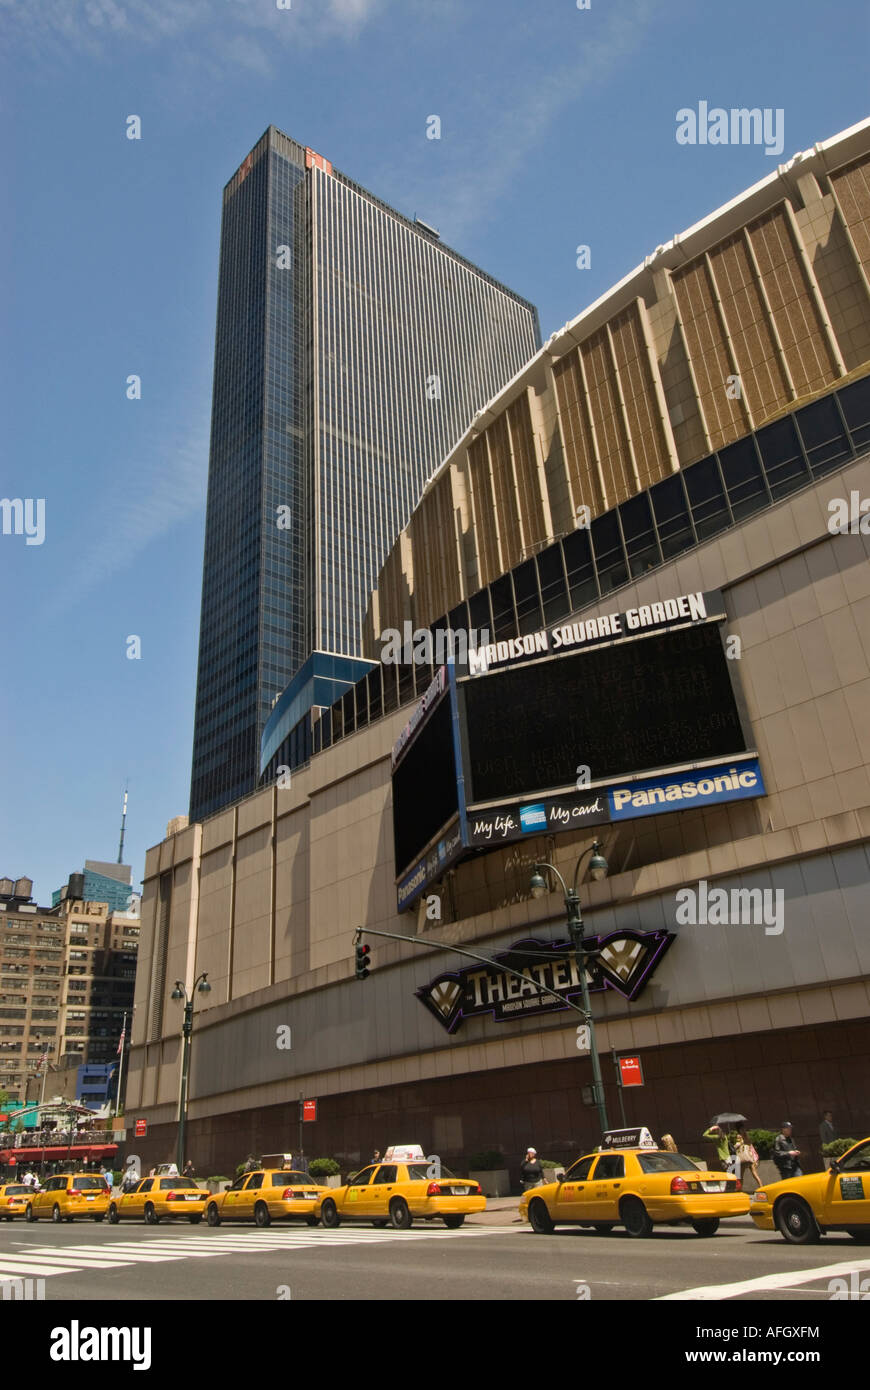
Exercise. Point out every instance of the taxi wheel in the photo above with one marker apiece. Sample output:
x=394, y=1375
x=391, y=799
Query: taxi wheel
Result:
x=400, y=1214
x=151, y=1217
x=261, y=1215
x=635, y=1217
x=796, y=1222
x=29, y=1214
x=213, y=1216
x=708, y=1227
x=55, y=1214
x=861, y=1234
x=329, y=1214
x=114, y=1218
x=453, y=1222
x=540, y=1219
x=100, y=1217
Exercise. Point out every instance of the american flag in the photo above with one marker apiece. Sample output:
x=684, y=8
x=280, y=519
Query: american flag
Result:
x=121, y=1040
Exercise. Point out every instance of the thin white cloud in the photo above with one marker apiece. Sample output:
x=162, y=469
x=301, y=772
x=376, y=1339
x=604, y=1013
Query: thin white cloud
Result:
x=495, y=130
x=149, y=496
x=98, y=27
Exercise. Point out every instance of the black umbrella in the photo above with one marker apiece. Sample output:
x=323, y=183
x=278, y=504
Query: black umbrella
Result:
x=727, y=1118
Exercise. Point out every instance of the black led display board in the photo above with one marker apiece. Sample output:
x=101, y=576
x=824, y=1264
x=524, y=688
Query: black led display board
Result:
x=654, y=702
x=425, y=794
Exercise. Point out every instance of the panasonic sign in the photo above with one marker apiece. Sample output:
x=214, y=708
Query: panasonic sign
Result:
x=649, y=796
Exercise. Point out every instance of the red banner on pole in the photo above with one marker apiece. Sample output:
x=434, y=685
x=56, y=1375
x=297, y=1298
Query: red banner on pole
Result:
x=630, y=1071
x=141, y=1129
x=309, y=1110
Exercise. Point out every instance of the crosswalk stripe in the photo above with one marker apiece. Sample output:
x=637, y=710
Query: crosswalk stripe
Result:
x=96, y=1256
x=12, y=1268
x=48, y=1260
x=56, y=1257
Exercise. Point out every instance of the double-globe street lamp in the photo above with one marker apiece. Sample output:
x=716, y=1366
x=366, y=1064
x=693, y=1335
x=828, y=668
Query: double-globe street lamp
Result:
x=180, y=992
x=597, y=871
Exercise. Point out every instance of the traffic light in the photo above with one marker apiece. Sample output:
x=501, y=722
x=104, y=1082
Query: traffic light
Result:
x=362, y=960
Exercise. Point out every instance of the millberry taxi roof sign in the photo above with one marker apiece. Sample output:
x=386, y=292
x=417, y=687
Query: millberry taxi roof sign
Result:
x=625, y=962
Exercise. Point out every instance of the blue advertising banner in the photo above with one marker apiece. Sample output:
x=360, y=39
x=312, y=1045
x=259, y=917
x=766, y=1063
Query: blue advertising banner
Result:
x=650, y=796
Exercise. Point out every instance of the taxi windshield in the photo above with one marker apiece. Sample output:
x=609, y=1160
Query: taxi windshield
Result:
x=177, y=1184
x=13, y=1188
x=664, y=1162
x=858, y=1160
x=88, y=1185
x=288, y=1175
x=416, y=1171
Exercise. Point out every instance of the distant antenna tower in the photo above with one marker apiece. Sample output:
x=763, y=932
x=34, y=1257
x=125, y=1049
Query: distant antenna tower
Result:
x=123, y=825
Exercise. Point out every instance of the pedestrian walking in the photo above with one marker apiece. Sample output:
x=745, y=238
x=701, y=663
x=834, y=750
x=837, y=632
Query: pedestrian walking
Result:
x=669, y=1144
x=376, y=1156
x=785, y=1154
x=531, y=1172
x=827, y=1132
x=718, y=1136
x=110, y=1178
x=189, y=1170
x=747, y=1156
x=252, y=1164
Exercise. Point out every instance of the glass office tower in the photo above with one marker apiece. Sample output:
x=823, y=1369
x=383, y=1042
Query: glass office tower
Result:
x=352, y=350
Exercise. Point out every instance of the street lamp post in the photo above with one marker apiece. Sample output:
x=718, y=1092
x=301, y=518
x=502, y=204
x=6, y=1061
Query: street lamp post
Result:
x=598, y=870
x=180, y=992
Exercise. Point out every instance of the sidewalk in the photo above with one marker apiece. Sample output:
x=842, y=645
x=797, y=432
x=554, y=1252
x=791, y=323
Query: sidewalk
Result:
x=500, y=1211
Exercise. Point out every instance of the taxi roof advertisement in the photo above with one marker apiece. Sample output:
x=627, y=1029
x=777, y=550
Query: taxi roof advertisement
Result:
x=628, y=714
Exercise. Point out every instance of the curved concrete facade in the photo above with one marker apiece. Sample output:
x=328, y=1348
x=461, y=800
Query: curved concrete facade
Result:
x=756, y=309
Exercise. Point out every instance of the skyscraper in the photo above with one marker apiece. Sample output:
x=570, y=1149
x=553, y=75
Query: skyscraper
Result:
x=352, y=350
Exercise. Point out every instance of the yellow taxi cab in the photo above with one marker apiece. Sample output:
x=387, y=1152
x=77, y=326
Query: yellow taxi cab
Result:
x=156, y=1198
x=630, y=1182
x=68, y=1195
x=803, y=1209
x=400, y=1190
x=267, y=1195
x=13, y=1199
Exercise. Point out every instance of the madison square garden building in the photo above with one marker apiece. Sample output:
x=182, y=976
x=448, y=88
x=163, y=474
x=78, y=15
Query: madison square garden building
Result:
x=683, y=675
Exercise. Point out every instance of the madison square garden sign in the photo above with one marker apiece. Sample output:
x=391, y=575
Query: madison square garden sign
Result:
x=632, y=713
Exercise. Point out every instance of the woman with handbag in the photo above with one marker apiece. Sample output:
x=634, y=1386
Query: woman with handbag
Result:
x=747, y=1156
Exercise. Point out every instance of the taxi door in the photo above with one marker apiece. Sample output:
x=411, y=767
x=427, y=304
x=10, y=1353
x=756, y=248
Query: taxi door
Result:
x=380, y=1190
x=231, y=1209
x=608, y=1180
x=572, y=1194
x=134, y=1203
x=249, y=1194
x=845, y=1197
x=357, y=1197
x=42, y=1202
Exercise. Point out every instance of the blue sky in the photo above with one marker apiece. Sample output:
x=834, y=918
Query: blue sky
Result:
x=558, y=128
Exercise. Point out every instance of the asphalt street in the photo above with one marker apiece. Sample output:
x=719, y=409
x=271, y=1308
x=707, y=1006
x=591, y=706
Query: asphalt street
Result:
x=483, y=1261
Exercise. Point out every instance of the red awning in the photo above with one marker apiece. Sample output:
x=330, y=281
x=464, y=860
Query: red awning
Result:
x=34, y=1153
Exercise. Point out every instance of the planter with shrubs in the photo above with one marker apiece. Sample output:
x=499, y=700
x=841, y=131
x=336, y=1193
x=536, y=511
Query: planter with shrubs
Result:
x=490, y=1170
x=325, y=1171
x=837, y=1148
